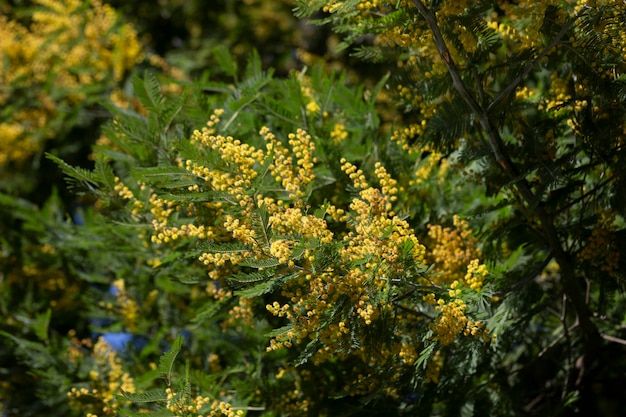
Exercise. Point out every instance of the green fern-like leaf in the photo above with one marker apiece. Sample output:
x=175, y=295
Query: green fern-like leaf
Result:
x=148, y=91
x=165, y=176
x=78, y=178
x=265, y=287
x=146, y=397
x=225, y=60
x=104, y=170
x=259, y=263
x=227, y=247
x=254, y=277
x=425, y=355
x=172, y=109
x=257, y=290
x=208, y=311
x=452, y=120
x=153, y=413
x=40, y=325
x=166, y=362
x=306, y=8
x=311, y=348
x=259, y=221
x=185, y=197
x=280, y=331
x=33, y=354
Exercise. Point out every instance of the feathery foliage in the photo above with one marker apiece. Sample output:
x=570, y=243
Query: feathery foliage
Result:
x=445, y=241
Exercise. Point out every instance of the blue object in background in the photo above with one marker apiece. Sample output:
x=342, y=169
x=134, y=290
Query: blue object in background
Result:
x=120, y=341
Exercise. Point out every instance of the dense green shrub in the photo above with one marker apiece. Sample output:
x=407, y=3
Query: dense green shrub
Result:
x=296, y=252
x=60, y=60
x=338, y=273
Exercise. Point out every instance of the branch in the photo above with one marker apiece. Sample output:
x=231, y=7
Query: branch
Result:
x=570, y=284
x=457, y=81
x=613, y=339
x=557, y=340
x=459, y=85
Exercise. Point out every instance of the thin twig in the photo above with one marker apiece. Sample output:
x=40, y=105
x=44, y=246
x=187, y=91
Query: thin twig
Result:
x=556, y=341
x=613, y=339
x=458, y=84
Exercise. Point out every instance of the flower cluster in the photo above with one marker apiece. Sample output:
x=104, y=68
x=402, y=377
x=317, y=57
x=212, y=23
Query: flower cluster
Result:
x=106, y=382
x=377, y=249
x=312, y=106
x=68, y=46
x=476, y=274
x=453, y=249
x=293, y=177
x=456, y=258
x=240, y=315
x=339, y=133
x=451, y=320
x=125, y=306
x=337, y=270
x=433, y=163
x=185, y=405
x=238, y=169
x=600, y=249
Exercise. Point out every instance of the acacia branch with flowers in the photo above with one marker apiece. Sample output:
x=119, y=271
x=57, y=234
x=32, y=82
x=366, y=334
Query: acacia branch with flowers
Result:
x=553, y=68
x=344, y=281
x=343, y=270
x=571, y=284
